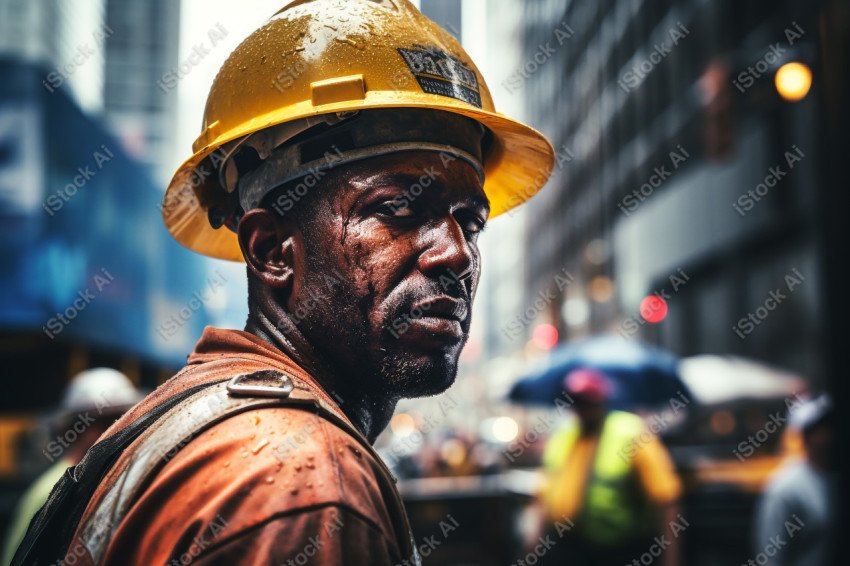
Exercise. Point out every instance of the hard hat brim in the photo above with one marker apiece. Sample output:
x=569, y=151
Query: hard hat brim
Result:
x=517, y=165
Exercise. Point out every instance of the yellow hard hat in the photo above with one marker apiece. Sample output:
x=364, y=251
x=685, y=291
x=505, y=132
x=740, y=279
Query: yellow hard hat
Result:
x=324, y=59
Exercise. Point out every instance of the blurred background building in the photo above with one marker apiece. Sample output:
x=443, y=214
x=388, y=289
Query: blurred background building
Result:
x=668, y=133
x=88, y=137
x=136, y=99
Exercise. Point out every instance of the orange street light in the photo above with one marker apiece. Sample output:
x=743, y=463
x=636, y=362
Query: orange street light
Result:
x=793, y=81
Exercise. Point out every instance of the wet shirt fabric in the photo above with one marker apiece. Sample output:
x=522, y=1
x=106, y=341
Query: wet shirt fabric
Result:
x=274, y=485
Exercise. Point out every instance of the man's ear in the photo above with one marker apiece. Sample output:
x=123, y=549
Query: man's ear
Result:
x=269, y=246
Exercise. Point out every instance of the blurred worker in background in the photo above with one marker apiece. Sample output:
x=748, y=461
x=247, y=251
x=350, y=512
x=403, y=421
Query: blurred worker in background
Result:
x=92, y=402
x=611, y=492
x=796, y=516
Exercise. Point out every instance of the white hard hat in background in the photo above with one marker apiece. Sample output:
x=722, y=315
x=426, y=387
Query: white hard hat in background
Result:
x=810, y=413
x=104, y=390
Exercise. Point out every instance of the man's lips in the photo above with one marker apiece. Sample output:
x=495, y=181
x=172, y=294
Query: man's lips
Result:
x=439, y=318
x=442, y=307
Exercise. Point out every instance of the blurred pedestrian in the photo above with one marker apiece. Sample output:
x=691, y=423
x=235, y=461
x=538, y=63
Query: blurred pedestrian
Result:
x=795, y=517
x=611, y=494
x=92, y=402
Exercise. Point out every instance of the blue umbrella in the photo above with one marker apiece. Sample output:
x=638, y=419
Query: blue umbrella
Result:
x=643, y=376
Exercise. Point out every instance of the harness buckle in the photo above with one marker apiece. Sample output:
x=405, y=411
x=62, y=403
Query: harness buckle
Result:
x=267, y=383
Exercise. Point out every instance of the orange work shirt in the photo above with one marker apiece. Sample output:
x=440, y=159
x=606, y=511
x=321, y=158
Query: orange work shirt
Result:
x=266, y=486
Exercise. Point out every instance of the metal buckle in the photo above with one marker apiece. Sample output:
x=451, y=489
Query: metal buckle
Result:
x=235, y=386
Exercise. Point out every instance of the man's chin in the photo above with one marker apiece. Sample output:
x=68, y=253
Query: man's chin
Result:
x=430, y=386
x=421, y=377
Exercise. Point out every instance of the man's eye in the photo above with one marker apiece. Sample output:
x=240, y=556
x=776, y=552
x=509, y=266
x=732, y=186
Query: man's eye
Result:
x=471, y=223
x=473, y=226
x=395, y=209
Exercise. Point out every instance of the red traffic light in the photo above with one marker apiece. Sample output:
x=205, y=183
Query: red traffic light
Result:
x=653, y=309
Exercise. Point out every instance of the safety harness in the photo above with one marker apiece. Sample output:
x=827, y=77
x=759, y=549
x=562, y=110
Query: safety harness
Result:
x=156, y=437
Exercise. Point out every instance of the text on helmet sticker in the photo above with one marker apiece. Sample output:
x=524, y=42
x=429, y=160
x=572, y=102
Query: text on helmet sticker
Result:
x=437, y=72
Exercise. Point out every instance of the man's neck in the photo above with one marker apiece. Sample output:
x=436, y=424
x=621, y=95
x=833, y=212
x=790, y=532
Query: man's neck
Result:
x=593, y=428
x=369, y=413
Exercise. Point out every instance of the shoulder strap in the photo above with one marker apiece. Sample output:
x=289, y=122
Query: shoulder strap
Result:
x=51, y=529
x=154, y=443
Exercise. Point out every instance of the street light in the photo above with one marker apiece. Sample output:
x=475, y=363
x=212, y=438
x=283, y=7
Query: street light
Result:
x=545, y=336
x=653, y=309
x=793, y=81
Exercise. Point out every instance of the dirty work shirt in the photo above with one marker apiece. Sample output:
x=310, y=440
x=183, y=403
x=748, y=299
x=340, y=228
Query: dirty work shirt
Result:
x=268, y=486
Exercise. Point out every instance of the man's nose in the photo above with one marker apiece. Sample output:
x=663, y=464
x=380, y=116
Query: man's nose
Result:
x=448, y=252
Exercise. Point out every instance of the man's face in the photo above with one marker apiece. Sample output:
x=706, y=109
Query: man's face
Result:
x=392, y=266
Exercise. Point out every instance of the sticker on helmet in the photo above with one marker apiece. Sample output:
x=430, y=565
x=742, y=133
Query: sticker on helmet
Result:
x=437, y=72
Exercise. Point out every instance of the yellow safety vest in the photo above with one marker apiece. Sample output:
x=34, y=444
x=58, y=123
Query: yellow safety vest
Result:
x=614, y=509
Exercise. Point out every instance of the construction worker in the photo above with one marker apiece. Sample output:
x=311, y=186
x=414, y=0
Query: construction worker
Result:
x=350, y=156
x=611, y=492
x=93, y=400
